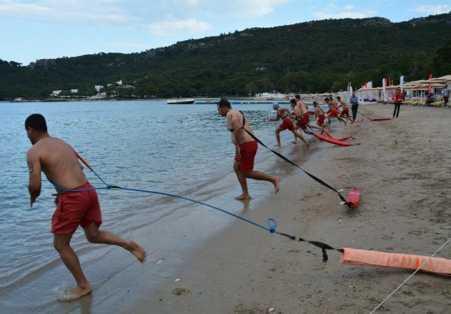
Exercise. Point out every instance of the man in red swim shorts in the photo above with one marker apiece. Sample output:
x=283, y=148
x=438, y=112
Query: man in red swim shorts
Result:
x=344, y=109
x=333, y=110
x=77, y=202
x=287, y=124
x=245, y=149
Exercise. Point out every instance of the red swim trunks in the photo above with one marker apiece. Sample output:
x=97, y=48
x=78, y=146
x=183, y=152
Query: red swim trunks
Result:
x=304, y=121
x=321, y=119
x=333, y=113
x=345, y=113
x=286, y=124
x=76, y=208
x=246, y=159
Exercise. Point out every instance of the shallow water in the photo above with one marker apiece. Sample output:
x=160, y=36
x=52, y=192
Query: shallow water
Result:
x=142, y=144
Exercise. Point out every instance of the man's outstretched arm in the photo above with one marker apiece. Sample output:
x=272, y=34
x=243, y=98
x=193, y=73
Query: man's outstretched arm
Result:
x=34, y=170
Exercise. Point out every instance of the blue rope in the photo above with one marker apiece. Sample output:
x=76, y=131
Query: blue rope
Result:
x=196, y=202
x=272, y=224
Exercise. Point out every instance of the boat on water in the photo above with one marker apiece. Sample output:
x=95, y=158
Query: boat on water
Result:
x=180, y=101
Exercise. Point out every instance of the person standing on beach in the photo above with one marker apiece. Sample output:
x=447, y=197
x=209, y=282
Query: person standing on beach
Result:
x=77, y=201
x=397, y=101
x=445, y=94
x=354, y=106
x=245, y=149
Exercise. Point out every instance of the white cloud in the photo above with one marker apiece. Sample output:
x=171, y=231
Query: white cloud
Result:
x=256, y=8
x=173, y=27
x=432, y=9
x=348, y=11
x=191, y=3
x=102, y=11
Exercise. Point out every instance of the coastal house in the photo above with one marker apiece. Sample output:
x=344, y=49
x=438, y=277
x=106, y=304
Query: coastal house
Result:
x=56, y=93
x=418, y=90
x=415, y=90
x=74, y=91
x=98, y=88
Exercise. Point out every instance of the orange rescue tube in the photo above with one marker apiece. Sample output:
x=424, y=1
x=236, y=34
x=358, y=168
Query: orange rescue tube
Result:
x=353, y=198
x=436, y=265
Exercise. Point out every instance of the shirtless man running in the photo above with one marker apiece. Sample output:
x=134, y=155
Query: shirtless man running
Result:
x=245, y=149
x=333, y=110
x=301, y=113
x=287, y=124
x=77, y=202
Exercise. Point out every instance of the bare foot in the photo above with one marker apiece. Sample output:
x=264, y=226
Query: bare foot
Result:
x=243, y=197
x=276, y=184
x=138, y=251
x=72, y=294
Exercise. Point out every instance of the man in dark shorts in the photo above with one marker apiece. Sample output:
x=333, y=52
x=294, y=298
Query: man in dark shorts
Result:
x=245, y=149
x=77, y=202
x=354, y=106
x=398, y=98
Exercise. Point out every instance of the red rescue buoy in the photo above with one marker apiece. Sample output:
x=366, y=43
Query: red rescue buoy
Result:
x=353, y=198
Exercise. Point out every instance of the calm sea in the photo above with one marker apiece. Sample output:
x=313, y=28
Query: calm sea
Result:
x=183, y=149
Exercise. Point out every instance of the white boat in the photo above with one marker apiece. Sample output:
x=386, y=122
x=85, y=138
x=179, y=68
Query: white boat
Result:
x=180, y=101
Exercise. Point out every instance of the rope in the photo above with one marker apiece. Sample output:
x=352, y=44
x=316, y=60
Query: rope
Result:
x=271, y=221
x=408, y=278
x=320, y=181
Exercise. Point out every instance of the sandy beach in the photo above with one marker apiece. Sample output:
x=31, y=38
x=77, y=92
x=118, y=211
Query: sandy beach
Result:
x=403, y=170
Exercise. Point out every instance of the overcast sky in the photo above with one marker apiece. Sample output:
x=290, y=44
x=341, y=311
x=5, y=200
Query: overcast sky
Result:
x=36, y=29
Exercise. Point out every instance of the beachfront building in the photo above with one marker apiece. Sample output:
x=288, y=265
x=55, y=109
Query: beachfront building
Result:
x=74, y=91
x=56, y=93
x=98, y=88
x=415, y=90
x=418, y=90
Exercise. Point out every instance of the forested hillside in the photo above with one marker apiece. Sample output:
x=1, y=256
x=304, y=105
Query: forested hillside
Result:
x=314, y=56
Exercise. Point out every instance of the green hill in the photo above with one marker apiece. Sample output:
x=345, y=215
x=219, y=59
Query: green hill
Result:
x=314, y=56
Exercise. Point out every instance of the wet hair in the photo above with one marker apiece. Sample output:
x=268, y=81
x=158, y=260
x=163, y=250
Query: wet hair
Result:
x=315, y=104
x=338, y=98
x=297, y=96
x=293, y=101
x=275, y=106
x=224, y=102
x=37, y=122
x=326, y=99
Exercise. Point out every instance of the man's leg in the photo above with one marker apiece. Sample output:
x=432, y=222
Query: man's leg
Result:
x=398, y=107
x=243, y=182
x=260, y=176
x=278, y=137
x=394, y=112
x=94, y=235
x=299, y=135
x=70, y=259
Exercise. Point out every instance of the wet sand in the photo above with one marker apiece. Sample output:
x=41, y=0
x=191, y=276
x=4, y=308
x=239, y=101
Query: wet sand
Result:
x=403, y=170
